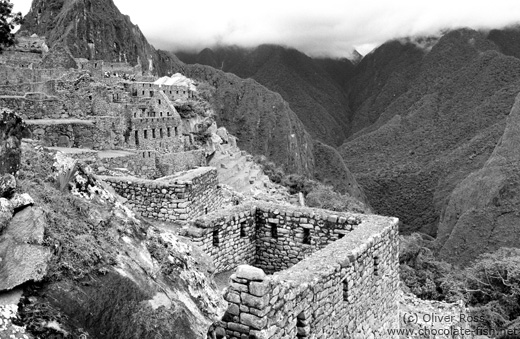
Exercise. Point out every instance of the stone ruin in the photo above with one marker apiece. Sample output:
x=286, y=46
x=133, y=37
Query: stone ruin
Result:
x=300, y=272
x=330, y=275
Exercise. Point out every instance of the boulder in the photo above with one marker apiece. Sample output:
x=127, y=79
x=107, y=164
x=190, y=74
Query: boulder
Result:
x=21, y=257
x=7, y=185
x=20, y=263
x=12, y=129
x=27, y=226
x=21, y=200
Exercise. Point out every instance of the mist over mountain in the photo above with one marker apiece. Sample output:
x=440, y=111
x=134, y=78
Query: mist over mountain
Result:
x=420, y=115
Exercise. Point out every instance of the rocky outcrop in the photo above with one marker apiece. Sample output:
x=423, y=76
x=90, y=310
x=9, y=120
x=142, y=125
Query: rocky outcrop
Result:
x=11, y=132
x=23, y=257
x=482, y=213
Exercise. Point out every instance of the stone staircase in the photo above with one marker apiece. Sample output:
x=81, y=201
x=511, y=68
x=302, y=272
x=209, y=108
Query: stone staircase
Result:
x=236, y=168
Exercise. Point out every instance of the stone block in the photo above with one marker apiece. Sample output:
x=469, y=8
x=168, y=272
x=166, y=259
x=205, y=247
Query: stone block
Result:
x=238, y=327
x=238, y=287
x=232, y=297
x=233, y=309
x=253, y=321
x=252, y=301
x=258, y=288
x=250, y=273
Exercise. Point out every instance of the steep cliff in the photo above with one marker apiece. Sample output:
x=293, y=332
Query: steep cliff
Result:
x=437, y=130
x=482, y=213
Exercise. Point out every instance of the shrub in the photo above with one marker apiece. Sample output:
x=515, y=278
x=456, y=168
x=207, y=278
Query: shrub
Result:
x=493, y=284
x=66, y=176
x=322, y=196
x=425, y=276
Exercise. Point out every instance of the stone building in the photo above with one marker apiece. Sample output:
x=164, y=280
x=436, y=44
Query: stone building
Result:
x=332, y=275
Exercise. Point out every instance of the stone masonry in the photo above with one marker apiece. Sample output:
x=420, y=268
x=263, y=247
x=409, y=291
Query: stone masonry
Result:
x=336, y=280
x=180, y=197
x=266, y=235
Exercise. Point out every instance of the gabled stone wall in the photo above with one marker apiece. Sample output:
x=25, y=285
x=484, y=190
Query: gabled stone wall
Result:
x=180, y=197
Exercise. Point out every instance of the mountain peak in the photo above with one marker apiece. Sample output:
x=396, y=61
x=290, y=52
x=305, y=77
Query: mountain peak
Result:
x=93, y=29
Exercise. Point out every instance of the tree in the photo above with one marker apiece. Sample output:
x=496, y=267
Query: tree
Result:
x=8, y=21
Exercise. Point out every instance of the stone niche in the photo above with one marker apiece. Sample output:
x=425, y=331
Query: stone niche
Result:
x=333, y=275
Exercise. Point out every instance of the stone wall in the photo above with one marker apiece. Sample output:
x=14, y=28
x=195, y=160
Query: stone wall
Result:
x=286, y=236
x=39, y=107
x=152, y=164
x=95, y=67
x=337, y=273
x=47, y=87
x=180, y=197
x=103, y=133
x=181, y=161
x=228, y=236
x=142, y=163
x=282, y=236
x=161, y=133
x=121, y=68
x=13, y=75
x=149, y=89
x=346, y=290
x=20, y=59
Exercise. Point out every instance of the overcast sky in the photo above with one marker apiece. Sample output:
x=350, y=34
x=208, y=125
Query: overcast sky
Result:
x=318, y=28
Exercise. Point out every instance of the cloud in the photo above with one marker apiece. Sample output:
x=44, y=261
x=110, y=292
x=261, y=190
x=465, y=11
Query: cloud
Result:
x=319, y=28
